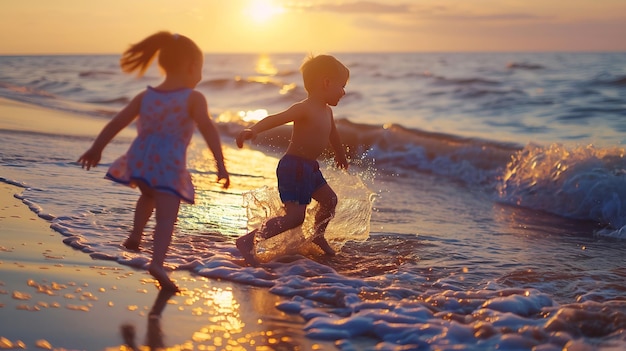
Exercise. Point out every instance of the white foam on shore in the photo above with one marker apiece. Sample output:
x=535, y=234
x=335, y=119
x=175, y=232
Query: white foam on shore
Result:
x=401, y=309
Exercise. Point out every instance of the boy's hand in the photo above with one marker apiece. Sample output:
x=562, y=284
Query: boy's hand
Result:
x=244, y=135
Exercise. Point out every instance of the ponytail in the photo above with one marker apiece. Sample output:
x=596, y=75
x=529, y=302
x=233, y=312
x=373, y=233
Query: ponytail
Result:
x=173, y=50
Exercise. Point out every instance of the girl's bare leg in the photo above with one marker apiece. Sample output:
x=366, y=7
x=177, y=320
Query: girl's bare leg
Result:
x=167, y=206
x=143, y=212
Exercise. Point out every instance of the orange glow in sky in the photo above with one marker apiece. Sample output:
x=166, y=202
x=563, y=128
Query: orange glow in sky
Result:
x=266, y=26
x=261, y=11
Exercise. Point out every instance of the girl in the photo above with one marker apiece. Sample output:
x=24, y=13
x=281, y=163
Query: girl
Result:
x=156, y=160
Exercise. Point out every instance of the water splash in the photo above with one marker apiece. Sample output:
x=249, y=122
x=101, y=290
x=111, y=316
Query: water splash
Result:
x=351, y=221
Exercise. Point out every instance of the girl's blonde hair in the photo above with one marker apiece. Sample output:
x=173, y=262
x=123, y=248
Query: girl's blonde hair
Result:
x=173, y=50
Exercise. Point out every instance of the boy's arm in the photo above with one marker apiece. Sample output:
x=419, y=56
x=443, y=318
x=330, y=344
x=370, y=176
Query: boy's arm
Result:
x=199, y=111
x=335, y=142
x=272, y=121
x=92, y=157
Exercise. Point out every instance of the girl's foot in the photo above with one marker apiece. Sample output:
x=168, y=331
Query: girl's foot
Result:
x=323, y=244
x=161, y=276
x=132, y=243
x=128, y=334
x=160, y=303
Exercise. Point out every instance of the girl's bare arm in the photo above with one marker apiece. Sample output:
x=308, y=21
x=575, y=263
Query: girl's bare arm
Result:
x=92, y=157
x=199, y=111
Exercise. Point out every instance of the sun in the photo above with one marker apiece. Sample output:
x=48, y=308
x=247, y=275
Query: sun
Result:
x=261, y=11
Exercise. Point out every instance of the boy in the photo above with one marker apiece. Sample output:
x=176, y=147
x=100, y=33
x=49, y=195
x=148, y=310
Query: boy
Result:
x=299, y=176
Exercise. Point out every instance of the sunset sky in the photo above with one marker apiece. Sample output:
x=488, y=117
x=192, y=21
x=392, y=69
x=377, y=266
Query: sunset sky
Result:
x=77, y=26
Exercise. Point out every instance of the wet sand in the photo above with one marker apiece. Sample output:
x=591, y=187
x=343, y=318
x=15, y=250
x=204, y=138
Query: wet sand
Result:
x=55, y=297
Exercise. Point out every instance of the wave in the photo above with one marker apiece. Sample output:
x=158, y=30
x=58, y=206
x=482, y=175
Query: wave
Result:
x=240, y=83
x=395, y=149
x=619, y=81
x=97, y=74
x=400, y=150
x=56, y=87
x=440, y=80
x=42, y=97
x=523, y=65
x=465, y=81
x=588, y=112
x=122, y=100
x=585, y=183
x=13, y=182
x=614, y=81
x=16, y=91
x=607, y=79
x=471, y=92
x=287, y=73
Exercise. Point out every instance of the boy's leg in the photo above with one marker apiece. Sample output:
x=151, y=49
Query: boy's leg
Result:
x=294, y=216
x=327, y=200
x=143, y=212
x=167, y=206
x=245, y=244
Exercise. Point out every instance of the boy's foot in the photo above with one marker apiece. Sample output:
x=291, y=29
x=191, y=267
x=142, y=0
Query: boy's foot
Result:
x=245, y=244
x=132, y=244
x=323, y=244
x=161, y=276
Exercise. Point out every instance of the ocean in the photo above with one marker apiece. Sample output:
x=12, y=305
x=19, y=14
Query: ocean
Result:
x=484, y=208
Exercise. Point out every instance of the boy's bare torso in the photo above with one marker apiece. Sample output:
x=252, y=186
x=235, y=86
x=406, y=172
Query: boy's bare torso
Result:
x=311, y=130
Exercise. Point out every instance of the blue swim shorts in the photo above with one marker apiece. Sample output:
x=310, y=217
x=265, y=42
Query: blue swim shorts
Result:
x=298, y=179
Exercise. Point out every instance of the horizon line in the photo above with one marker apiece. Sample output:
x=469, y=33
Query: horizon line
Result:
x=337, y=52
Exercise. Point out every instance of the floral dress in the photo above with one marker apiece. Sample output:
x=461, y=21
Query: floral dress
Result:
x=158, y=156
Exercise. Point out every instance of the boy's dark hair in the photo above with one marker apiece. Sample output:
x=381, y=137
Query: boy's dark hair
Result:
x=320, y=66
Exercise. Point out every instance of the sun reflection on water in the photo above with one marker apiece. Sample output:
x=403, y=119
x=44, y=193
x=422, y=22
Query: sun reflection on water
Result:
x=222, y=324
x=265, y=66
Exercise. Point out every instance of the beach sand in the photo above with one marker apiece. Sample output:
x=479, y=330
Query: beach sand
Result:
x=53, y=296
